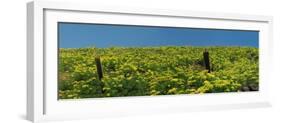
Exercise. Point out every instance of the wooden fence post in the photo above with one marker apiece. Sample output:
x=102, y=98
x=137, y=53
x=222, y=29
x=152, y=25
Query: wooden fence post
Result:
x=207, y=60
x=99, y=67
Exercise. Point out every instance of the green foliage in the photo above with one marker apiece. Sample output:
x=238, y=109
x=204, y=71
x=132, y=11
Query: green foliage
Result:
x=156, y=71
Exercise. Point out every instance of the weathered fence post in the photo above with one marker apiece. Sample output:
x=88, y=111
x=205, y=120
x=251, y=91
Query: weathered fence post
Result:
x=207, y=60
x=99, y=67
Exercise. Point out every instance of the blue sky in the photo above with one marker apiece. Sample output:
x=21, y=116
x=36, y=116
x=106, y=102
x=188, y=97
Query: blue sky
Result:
x=78, y=35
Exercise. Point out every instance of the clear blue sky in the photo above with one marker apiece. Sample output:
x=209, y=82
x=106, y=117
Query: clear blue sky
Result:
x=78, y=35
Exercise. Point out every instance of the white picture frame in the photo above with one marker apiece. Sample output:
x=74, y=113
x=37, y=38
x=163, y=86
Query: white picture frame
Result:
x=42, y=103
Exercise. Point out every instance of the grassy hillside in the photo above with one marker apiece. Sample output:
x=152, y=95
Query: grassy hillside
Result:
x=156, y=71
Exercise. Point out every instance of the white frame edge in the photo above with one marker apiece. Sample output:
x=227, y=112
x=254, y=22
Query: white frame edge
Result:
x=35, y=42
x=34, y=62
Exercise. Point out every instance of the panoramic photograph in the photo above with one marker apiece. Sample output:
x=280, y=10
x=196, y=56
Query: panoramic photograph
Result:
x=110, y=60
